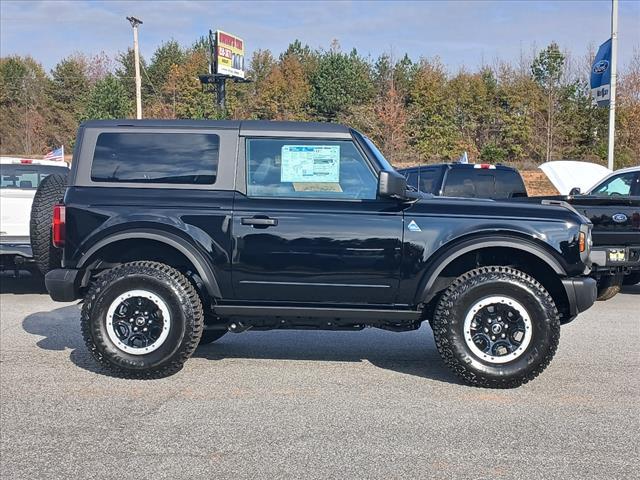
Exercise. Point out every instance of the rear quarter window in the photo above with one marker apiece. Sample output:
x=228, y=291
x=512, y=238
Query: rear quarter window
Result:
x=469, y=183
x=509, y=184
x=179, y=158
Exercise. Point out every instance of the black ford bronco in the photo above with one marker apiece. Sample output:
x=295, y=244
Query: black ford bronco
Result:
x=176, y=232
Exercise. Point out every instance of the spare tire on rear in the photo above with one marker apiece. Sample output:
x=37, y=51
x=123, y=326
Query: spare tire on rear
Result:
x=50, y=191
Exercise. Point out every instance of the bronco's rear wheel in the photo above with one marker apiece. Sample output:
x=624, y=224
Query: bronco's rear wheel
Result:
x=142, y=320
x=496, y=327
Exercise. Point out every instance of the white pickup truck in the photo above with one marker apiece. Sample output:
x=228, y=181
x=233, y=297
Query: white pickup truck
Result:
x=19, y=179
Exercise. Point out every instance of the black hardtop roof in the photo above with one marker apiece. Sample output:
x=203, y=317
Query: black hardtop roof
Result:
x=457, y=165
x=263, y=127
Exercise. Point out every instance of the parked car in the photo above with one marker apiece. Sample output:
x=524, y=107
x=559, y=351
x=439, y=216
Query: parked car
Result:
x=176, y=232
x=19, y=179
x=480, y=180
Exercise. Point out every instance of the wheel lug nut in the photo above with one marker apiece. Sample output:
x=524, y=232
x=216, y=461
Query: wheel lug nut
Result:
x=489, y=321
x=493, y=337
x=130, y=320
x=135, y=329
x=145, y=329
x=503, y=335
x=486, y=330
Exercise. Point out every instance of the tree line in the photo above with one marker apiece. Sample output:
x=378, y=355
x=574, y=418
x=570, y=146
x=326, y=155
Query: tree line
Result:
x=525, y=112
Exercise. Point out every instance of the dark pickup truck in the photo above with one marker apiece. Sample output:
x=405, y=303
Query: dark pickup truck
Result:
x=613, y=206
x=176, y=232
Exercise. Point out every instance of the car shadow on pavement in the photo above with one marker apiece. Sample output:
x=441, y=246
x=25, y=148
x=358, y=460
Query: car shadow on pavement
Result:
x=410, y=353
x=60, y=331
x=24, y=283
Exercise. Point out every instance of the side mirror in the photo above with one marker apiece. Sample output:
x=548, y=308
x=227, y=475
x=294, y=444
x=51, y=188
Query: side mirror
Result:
x=575, y=191
x=392, y=185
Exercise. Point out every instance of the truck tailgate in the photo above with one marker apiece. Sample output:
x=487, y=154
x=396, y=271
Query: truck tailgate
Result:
x=15, y=212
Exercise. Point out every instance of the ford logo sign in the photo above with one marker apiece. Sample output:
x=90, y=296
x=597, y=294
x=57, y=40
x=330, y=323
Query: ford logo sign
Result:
x=619, y=218
x=601, y=66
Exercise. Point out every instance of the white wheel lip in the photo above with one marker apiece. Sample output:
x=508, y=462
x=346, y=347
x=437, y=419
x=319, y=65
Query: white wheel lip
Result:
x=512, y=302
x=166, y=318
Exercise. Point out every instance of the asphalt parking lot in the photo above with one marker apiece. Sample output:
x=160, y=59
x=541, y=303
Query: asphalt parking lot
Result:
x=300, y=404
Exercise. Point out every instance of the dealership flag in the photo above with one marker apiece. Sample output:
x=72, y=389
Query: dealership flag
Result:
x=57, y=154
x=601, y=75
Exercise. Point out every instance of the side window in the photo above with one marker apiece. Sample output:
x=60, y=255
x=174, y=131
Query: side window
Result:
x=308, y=169
x=429, y=180
x=509, y=184
x=412, y=179
x=466, y=182
x=618, y=185
x=180, y=158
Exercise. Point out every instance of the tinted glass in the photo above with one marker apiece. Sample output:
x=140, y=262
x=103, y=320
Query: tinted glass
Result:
x=429, y=180
x=27, y=176
x=509, y=184
x=308, y=169
x=469, y=183
x=618, y=185
x=412, y=179
x=184, y=158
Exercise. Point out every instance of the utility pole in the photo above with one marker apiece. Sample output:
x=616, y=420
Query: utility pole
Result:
x=614, y=75
x=134, y=23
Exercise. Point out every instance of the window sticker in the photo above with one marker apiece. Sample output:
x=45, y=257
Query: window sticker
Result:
x=310, y=163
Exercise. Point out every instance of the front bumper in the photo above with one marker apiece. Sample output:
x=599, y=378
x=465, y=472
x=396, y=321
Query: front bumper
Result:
x=615, y=258
x=64, y=284
x=581, y=292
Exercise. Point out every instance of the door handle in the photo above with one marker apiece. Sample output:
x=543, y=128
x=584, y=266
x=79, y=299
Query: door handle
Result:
x=259, y=222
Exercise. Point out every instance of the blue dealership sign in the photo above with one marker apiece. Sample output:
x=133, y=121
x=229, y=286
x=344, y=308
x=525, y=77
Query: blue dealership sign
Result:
x=601, y=75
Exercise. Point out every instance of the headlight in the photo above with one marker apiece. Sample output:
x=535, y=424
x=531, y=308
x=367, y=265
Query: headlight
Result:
x=585, y=242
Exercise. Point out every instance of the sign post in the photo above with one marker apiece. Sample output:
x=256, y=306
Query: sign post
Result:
x=604, y=76
x=614, y=75
x=226, y=63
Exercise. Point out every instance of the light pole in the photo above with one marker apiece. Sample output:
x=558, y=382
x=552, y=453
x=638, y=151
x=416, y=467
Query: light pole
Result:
x=134, y=23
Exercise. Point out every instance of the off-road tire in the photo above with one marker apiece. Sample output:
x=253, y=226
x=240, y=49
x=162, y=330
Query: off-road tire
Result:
x=608, y=287
x=49, y=192
x=185, y=310
x=631, y=279
x=453, y=306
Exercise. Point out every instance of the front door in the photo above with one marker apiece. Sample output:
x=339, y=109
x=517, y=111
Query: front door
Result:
x=311, y=228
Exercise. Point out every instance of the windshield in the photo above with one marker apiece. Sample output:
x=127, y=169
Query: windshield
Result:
x=26, y=177
x=618, y=185
x=379, y=156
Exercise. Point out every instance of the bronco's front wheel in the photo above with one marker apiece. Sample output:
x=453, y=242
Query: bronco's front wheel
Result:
x=496, y=327
x=142, y=320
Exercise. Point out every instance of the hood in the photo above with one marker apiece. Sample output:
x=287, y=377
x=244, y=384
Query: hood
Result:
x=568, y=174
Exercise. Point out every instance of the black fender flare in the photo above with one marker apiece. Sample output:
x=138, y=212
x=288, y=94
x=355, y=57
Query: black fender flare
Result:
x=171, y=239
x=455, y=250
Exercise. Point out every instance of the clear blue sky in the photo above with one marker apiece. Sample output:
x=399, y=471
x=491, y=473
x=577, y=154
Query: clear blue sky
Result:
x=460, y=32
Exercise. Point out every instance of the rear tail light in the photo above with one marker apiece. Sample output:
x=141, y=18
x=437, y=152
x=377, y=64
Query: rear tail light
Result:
x=58, y=225
x=26, y=161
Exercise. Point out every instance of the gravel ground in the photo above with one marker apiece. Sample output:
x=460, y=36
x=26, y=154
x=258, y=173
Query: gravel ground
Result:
x=300, y=404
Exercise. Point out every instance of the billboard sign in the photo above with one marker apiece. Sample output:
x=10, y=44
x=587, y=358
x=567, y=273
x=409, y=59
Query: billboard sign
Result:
x=229, y=55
